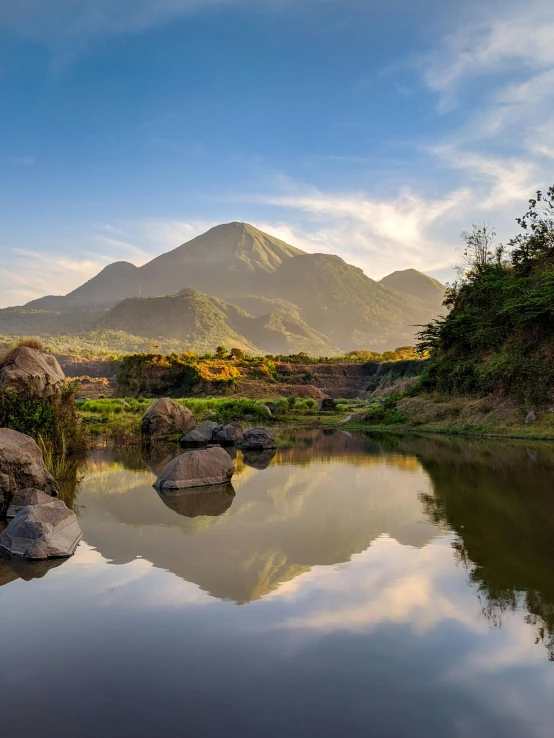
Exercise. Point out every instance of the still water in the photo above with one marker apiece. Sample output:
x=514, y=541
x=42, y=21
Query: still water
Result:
x=348, y=586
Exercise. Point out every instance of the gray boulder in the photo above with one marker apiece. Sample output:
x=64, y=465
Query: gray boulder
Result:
x=201, y=435
x=22, y=466
x=33, y=373
x=228, y=435
x=196, y=468
x=42, y=532
x=257, y=439
x=530, y=417
x=267, y=410
x=164, y=417
x=26, y=497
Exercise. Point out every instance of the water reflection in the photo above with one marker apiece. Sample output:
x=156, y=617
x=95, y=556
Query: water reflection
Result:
x=196, y=502
x=363, y=565
x=287, y=516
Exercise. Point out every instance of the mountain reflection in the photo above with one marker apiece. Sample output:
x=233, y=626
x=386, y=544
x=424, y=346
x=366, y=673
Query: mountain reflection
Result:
x=315, y=503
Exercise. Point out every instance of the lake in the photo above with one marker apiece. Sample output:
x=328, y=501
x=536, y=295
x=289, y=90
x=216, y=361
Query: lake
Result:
x=350, y=585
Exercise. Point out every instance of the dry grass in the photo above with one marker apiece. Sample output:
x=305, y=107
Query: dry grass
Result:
x=33, y=343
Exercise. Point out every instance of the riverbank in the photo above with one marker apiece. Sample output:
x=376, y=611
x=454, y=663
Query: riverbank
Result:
x=490, y=417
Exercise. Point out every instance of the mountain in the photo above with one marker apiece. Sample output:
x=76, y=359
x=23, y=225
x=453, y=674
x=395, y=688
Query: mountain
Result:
x=418, y=285
x=225, y=260
x=202, y=322
x=236, y=286
x=348, y=307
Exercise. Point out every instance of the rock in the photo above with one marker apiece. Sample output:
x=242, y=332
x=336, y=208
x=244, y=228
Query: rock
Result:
x=165, y=416
x=26, y=497
x=198, y=501
x=228, y=435
x=530, y=417
x=266, y=410
x=32, y=373
x=201, y=435
x=326, y=404
x=196, y=468
x=42, y=532
x=272, y=406
x=256, y=439
x=22, y=466
x=259, y=459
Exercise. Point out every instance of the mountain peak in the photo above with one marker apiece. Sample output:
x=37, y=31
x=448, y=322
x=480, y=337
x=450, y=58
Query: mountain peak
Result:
x=417, y=284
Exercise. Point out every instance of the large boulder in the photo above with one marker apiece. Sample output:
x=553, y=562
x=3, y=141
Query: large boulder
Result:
x=196, y=468
x=201, y=435
x=33, y=373
x=165, y=416
x=22, y=466
x=228, y=435
x=257, y=439
x=26, y=497
x=42, y=532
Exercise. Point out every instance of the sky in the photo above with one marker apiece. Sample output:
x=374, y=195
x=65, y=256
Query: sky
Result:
x=376, y=130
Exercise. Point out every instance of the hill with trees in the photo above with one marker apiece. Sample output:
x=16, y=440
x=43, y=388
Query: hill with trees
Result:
x=498, y=335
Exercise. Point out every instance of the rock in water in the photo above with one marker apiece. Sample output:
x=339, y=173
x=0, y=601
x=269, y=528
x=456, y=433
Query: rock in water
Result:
x=22, y=466
x=257, y=439
x=32, y=373
x=197, y=468
x=201, y=435
x=42, y=532
x=165, y=416
x=26, y=497
x=228, y=435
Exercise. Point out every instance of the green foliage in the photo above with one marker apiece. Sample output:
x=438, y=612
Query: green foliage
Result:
x=240, y=409
x=384, y=413
x=53, y=420
x=498, y=336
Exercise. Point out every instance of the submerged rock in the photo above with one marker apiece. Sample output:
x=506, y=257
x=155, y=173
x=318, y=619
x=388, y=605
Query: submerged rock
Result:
x=259, y=459
x=22, y=466
x=228, y=435
x=42, y=531
x=32, y=373
x=26, y=497
x=257, y=439
x=196, y=468
x=197, y=501
x=201, y=435
x=165, y=416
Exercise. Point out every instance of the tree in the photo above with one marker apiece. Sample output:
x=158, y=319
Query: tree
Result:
x=221, y=352
x=479, y=250
x=536, y=243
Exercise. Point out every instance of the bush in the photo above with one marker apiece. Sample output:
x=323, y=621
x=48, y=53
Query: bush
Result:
x=229, y=410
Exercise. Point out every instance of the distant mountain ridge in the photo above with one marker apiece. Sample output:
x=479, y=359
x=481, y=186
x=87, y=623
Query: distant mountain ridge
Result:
x=238, y=286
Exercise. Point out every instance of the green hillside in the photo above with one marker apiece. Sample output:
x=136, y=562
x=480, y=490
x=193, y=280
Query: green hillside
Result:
x=202, y=323
x=498, y=336
x=339, y=301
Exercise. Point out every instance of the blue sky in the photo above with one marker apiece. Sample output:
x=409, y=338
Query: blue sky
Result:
x=375, y=130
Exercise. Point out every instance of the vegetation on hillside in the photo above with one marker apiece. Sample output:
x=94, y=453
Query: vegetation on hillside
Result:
x=182, y=375
x=498, y=336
